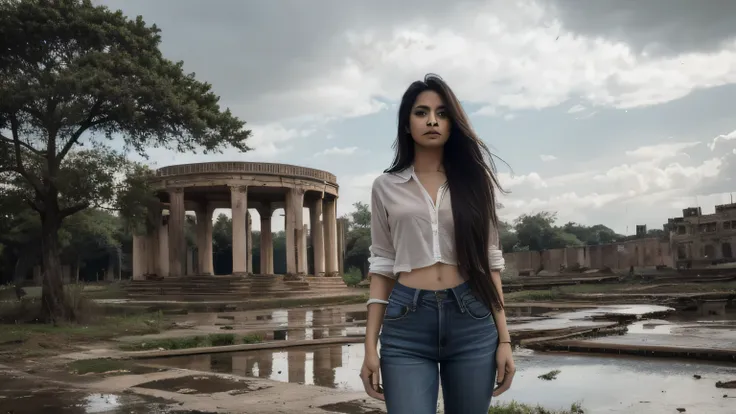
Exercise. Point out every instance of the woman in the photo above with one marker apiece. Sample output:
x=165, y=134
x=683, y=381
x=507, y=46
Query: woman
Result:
x=435, y=264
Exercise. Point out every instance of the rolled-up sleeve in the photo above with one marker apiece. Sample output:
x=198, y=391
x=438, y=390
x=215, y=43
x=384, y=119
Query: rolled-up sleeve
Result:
x=382, y=249
x=495, y=253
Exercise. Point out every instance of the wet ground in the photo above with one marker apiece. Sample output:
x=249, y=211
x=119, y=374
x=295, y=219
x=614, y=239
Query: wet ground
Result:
x=343, y=321
x=280, y=324
x=700, y=334
x=18, y=395
x=616, y=385
x=602, y=384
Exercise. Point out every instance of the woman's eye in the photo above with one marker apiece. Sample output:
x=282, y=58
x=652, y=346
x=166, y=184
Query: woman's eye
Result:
x=420, y=113
x=442, y=114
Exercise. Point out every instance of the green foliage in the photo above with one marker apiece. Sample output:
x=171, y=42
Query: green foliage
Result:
x=514, y=407
x=73, y=76
x=136, y=199
x=184, y=342
x=538, y=232
x=352, y=276
x=253, y=338
x=361, y=217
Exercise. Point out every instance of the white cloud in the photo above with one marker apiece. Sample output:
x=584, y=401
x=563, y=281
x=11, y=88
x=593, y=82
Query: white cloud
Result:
x=532, y=179
x=528, y=61
x=575, y=109
x=354, y=188
x=268, y=142
x=660, y=151
x=547, y=158
x=649, y=190
x=337, y=151
x=725, y=137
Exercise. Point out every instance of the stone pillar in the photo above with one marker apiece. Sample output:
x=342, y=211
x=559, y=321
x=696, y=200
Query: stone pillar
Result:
x=204, y=238
x=301, y=236
x=318, y=239
x=303, y=264
x=177, y=242
x=191, y=268
x=163, y=247
x=141, y=252
x=266, y=239
x=239, y=201
x=154, y=245
x=330, y=225
x=249, y=242
x=294, y=231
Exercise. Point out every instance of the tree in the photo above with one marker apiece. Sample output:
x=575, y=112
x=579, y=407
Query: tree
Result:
x=508, y=237
x=358, y=240
x=361, y=217
x=74, y=75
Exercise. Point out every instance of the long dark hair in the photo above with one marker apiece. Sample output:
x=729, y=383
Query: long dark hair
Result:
x=471, y=176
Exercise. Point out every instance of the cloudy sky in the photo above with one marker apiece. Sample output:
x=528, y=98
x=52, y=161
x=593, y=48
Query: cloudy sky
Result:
x=619, y=113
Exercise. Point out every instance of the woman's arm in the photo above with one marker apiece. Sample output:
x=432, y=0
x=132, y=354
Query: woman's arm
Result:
x=505, y=368
x=381, y=274
x=499, y=315
x=381, y=269
x=381, y=287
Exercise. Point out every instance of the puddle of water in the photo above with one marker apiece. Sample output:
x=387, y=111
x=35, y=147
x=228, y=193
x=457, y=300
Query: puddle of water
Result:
x=544, y=318
x=279, y=321
x=74, y=402
x=714, y=334
x=615, y=310
x=615, y=385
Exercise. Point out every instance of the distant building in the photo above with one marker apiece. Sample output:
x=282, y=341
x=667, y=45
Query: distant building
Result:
x=641, y=230
x=699, y=239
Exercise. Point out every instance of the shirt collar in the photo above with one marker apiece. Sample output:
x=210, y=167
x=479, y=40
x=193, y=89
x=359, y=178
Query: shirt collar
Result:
x=403, y=175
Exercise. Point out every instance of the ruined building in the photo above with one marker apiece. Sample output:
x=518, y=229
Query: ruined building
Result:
x=699, y=239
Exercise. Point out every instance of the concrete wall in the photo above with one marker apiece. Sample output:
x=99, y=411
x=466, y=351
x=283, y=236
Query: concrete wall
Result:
x=647, y=252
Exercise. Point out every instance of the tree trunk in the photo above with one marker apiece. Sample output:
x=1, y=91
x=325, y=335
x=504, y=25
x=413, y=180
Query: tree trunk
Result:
x=52, y=295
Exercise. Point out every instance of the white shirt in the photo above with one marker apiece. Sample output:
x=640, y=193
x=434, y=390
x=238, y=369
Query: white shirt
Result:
x=410, y=231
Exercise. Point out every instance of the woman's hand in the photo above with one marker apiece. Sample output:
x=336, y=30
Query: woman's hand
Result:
x=370, y=373
x=505, y=369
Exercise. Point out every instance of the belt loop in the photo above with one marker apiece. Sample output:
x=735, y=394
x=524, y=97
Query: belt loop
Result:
x=459, y=300
x=415, y=300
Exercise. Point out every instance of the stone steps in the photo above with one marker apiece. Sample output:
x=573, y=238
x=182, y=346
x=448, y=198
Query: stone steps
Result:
x=233, y=288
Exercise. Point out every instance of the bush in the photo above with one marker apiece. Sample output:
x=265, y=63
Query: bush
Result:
x=222, y=339
x=352, y=277
x=253, y=338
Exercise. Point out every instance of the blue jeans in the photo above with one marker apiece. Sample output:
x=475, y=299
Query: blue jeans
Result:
x=429, y=337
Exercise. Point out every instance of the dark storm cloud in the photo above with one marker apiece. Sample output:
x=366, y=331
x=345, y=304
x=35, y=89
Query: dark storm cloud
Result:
x=661, y=27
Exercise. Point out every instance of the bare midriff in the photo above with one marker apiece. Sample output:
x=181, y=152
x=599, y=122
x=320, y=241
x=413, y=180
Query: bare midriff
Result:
x=438, y=276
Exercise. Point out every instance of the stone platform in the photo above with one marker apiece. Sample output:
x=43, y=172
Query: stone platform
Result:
x=235, y=288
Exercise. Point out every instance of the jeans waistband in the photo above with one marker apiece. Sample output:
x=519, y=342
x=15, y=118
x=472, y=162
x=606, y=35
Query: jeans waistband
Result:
x=451, y=294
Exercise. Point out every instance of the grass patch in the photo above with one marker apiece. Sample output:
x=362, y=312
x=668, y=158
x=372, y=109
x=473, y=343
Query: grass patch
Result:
x=253, y=338
x=192, y=342
x=108, y=366
x=514, y=407
x=26, y=337
x=92, y=290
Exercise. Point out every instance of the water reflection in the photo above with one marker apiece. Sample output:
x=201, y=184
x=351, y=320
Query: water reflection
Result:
x=616, y=385
x=331, y=366
x=285, y=324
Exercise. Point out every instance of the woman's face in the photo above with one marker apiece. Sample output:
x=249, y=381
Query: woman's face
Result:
x=429, y=121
